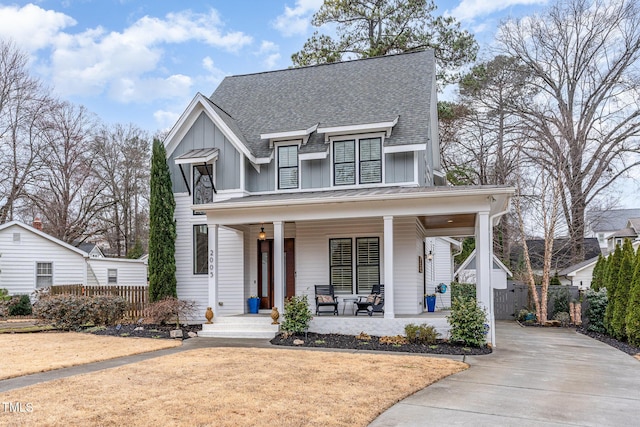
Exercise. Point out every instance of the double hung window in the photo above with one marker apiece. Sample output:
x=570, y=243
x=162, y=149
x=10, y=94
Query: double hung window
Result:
x=357, y=161
x=342, y=264
x=44, y=274
x=287, y=167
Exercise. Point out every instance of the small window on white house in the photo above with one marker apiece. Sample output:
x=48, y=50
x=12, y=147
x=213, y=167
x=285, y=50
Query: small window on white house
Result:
x=112, y=276
x=44, y=274
x=287, y=167
x=16, y=237
x=200, y=248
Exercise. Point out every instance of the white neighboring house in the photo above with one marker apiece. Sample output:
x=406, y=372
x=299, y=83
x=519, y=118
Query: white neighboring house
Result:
x=31, y=259
x=466, y=273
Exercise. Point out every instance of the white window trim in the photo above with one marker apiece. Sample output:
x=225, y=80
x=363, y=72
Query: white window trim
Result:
x=357, y=139
x=108, y=276
x=193, y=247
x=277, y=168
x=36, y=271
x=354, y=261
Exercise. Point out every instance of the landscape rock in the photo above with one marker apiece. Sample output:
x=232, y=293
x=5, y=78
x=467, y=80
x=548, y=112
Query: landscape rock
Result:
x=298, y=342
x=176, y=333
x=139, y=328
x=192, y=334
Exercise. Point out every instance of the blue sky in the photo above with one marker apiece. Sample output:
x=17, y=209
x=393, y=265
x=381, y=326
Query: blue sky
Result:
x=142, y=62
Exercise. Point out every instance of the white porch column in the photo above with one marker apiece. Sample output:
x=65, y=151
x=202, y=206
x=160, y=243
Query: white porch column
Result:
x=278, y=265
x=389, y=267
x=484, y=265
x=213, y=267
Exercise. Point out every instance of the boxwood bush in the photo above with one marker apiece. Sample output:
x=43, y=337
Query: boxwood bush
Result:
x=597, y=308
x=421, y=334
x=20, y=305
x=297, y=315
x=467, y=322
x=463, y=290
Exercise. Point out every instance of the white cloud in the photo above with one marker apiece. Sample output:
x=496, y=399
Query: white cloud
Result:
x=296, y=20
x=214, y=74
x=127, y=90
x=32, y=27
x=126, y=64
x=270, y=53
x=165, y=119
x=468, y=10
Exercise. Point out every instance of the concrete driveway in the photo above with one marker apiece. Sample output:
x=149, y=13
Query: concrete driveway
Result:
x=536, y=377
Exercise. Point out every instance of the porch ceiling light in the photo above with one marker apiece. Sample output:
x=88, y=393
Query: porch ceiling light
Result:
x=262, y=235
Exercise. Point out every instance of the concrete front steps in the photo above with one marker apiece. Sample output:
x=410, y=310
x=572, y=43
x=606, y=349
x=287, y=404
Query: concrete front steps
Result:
x=244, y=326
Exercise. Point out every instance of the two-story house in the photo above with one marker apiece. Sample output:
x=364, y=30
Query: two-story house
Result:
x=320, y=175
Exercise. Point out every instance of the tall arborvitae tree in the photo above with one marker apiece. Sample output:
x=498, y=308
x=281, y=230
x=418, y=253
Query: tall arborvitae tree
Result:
x=597, y=280
x=613, y=272
x=162, y=228
x=625, y=277
x=633, y=306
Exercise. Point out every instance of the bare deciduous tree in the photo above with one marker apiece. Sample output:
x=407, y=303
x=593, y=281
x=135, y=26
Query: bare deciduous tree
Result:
x=583, y=56
x=68, y=191
x=23, y=101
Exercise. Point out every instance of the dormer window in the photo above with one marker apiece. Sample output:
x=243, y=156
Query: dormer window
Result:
x=287, y=167
x=367, y=157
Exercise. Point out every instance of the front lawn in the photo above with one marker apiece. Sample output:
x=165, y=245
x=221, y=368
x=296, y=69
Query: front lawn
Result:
x=232, y=387
x=27, y=353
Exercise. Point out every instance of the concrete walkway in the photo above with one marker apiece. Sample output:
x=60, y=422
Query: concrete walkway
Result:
x=536, y=377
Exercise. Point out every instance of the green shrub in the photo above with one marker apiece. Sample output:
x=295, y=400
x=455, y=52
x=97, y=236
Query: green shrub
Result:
x=71, y=312
x=560, y=297
x=20, y=306
x=633, y=306
x=467, y=322
x=525, y=315
x=463, y=290
x=563, y=317
x=422, y=334
x=297, y=315
x=4, y=295
x=597, y=308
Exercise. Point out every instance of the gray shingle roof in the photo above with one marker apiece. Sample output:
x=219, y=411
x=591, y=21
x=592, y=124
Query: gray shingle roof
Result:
x=345, y=93
x=610, y=220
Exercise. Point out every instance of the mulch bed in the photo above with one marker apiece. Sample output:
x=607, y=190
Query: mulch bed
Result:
x=144, y=330
x=620, y=345
x=350, y=342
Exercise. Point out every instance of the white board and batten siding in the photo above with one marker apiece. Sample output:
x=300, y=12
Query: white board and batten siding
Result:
x=231, y=269
x=439, y=269
x=22, y=249
x=129, y=272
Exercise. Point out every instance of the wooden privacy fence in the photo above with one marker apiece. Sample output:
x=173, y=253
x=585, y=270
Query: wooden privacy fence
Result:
x=136, y=296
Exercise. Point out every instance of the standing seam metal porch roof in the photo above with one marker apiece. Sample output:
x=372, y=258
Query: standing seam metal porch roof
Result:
x=346, y=93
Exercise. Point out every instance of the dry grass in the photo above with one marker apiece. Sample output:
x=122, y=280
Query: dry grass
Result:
x=637, y=356
x=30, y=353
x=232, y=387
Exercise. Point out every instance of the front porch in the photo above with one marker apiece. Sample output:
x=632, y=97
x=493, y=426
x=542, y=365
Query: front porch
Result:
x=259, y=325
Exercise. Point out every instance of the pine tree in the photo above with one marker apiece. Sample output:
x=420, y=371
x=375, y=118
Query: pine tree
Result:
x=633, y=306
x=162, y=228
x=613, y=271
x=599, y=270
x=625, y=276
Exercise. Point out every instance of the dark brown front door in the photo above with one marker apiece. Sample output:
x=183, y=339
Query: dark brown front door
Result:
x=265, y=271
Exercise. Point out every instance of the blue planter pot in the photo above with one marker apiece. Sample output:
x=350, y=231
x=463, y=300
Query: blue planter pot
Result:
x=254, y=305
x=430, y=302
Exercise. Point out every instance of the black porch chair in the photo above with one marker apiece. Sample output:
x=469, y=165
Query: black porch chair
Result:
x=374, y=303
x=325, y=297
